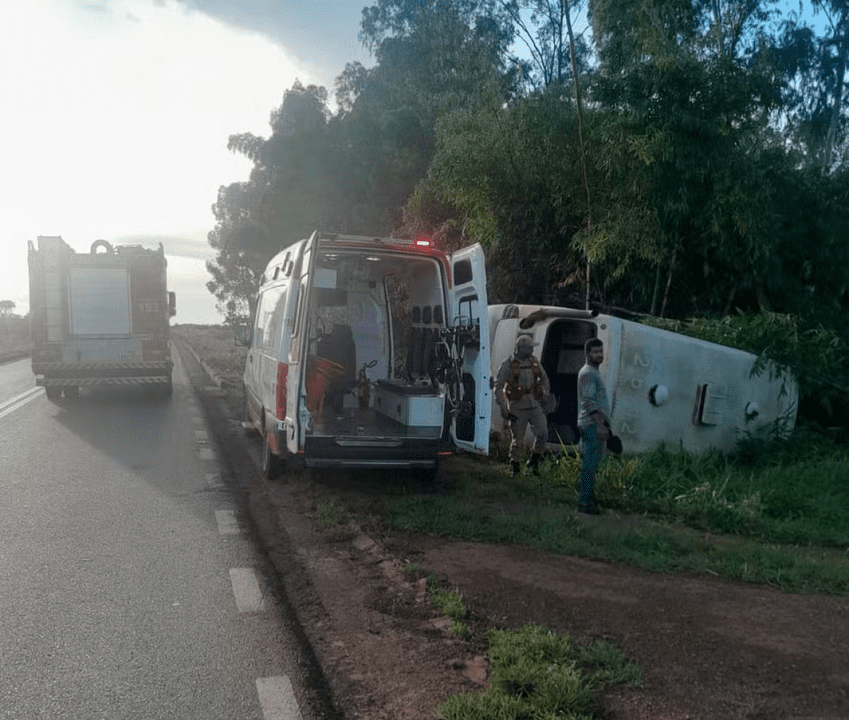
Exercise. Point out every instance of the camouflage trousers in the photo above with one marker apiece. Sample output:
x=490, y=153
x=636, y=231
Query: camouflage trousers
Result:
x=534, y=417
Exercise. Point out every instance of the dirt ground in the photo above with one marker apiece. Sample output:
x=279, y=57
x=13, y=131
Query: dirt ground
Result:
x=709, y=649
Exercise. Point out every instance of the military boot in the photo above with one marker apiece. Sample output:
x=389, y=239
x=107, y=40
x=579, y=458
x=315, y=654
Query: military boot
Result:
x=533, y=462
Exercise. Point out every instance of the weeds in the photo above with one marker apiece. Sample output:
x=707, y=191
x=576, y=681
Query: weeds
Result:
x=774, y=513
x=330, y=513
x=451, y=604
x=539, y=674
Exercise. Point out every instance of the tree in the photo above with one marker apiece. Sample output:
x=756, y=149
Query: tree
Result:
x=541, y=26
x=284, y=198
x=835, y=59
x=7, y=308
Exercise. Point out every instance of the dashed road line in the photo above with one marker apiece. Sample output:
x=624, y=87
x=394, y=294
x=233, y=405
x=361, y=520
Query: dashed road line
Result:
x=227, y=523
x=246, y=589
x=277, y=698
x=213, y=481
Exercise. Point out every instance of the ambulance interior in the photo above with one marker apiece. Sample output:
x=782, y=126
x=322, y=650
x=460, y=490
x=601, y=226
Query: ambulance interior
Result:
x=374, y=327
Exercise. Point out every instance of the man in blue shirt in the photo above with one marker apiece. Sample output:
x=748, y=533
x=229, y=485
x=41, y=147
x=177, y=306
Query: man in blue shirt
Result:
x=593, y=422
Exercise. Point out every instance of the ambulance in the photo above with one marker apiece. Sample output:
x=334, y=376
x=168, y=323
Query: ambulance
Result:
x=369, y=352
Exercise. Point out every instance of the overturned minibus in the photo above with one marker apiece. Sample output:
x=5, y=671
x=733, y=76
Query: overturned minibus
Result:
x=665, y=389
x=369, y=353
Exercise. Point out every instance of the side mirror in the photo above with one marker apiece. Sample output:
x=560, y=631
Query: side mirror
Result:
x=242, y=333
x=172, y=303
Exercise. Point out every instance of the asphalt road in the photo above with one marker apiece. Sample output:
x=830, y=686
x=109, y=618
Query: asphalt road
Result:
x=129, y=587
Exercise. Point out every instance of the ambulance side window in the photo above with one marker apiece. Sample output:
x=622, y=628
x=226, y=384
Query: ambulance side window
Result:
x=462, y=272
x=268, y=320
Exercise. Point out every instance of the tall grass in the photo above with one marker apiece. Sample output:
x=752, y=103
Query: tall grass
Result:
x=796, y=493
x=773, y=513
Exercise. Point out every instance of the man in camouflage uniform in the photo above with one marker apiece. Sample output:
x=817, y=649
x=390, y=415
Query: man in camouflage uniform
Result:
x=521, y=391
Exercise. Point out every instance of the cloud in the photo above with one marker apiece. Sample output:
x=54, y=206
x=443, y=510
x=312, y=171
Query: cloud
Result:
x=322, y=34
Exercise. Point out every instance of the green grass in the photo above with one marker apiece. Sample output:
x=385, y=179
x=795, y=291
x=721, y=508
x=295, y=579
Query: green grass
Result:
x=451, y=604
x=775, y=513
x=329, y=512
x=538, y=674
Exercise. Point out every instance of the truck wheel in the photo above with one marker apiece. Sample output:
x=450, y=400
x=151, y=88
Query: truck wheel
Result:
x=72, y=392
x=53, y=392
x=270, y=461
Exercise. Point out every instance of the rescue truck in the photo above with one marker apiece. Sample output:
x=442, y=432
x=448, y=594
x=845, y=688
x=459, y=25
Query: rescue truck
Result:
x=369, y=352
x=665, y=389
x=99, y=318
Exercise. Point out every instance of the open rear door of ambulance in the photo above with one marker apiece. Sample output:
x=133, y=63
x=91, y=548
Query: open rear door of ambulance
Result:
x=470, y=422
x=298, y=357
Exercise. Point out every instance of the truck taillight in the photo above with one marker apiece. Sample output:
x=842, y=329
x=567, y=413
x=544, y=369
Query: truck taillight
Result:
x=282, y=381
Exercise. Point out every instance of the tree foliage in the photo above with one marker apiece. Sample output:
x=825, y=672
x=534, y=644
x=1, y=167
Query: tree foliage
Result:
x=714, y=139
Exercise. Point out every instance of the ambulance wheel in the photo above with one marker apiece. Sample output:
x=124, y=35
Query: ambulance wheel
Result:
x=247, y=425
x=270, y=462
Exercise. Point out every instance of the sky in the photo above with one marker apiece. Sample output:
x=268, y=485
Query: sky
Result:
x=117, y=113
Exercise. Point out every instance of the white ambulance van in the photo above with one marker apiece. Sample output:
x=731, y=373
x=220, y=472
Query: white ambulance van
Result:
x=369, y=353
x=665, y=389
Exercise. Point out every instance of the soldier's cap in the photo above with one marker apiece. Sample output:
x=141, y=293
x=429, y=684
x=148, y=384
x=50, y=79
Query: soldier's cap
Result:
x=525, y=340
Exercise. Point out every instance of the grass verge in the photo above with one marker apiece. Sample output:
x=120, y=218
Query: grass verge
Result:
x=538, y=674
x=770, y=515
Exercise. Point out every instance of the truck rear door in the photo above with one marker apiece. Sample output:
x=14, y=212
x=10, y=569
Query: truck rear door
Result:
x=469, y=317
x=100, y=301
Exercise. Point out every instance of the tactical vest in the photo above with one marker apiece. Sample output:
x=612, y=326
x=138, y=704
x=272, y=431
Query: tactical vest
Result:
x=514, y=391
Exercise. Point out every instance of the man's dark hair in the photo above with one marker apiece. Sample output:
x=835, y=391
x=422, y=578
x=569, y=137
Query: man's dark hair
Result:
x=591, y=343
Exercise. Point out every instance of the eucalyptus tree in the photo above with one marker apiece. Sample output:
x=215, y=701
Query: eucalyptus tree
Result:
x=286, y=195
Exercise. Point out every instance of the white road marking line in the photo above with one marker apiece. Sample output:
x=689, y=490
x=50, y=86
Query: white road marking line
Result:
x=197, y=420
x=213, y=480
x=20, y=400
x=206, y=454
x=227, y=523
x=277, y=698
x=246, y=589
x=200, y=436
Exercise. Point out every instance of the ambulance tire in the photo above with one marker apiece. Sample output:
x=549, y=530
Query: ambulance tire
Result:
x=271, y=464
x=426, y=476
x=247, y=425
